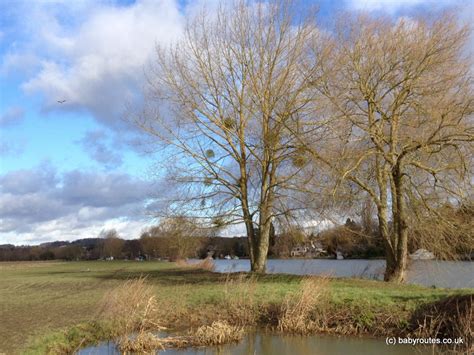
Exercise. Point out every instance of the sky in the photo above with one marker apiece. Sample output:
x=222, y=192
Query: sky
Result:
x=71, y=73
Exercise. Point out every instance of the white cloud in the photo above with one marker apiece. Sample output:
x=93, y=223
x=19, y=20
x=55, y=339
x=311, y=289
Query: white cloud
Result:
x=24, y=63
x=95, y=61
x=41, y=204
x=60, y=229
x=93, y=53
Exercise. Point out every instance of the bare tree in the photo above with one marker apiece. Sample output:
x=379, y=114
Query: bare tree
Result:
x=177, y=237
x=227, y=93
x=152, y=246
x=401, y=97
x=112, y=243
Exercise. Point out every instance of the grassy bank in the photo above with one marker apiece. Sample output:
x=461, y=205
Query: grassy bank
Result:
x=42, y=303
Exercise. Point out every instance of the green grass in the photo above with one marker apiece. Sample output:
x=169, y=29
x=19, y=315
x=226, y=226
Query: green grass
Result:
x=39, y=298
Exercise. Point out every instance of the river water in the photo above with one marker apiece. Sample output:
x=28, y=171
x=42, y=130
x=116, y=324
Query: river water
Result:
x=272, y=344
x=451, y=274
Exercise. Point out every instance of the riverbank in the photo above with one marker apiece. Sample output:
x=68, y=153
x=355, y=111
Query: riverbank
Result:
x=57, y=306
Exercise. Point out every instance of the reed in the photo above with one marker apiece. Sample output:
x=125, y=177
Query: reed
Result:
x=205, y=264
x=218, y=333
x=451, y=317
x=143, y=342
x=240, y=300
x=131, y=307
x=297, y=313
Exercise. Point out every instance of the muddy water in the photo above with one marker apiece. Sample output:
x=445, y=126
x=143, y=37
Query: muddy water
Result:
x=271, y=344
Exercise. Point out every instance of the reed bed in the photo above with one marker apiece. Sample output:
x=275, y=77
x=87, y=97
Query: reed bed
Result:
x=218, y=333
x=452, y=317
x=144, y=342
x=131, y=307
x=240, y=300
x=297, y=313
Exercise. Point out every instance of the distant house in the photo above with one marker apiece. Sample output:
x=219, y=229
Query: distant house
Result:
x=422, y=254
x=309, y=250
x=211, y=251
x=317, y=249
x=299, y=251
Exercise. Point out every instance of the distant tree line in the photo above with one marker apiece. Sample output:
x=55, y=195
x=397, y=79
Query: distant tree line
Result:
x=82, y=249
x=147, y=248
x=180, y=238
x=173, y=239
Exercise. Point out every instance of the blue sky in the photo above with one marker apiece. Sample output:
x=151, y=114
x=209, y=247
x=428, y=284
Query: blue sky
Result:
x=69, y=170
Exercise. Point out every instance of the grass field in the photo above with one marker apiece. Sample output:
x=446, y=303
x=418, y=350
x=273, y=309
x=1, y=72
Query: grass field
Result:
x=40, y=298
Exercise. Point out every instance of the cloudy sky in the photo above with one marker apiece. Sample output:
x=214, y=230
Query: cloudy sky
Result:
x=69, y=170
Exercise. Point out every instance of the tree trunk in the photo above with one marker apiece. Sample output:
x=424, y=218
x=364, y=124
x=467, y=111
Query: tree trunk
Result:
x=251, y=235
x=258, y=242
x=390, y=251
x=252, y=239
x=396, y=272
x=259, y=263
x=388, y=238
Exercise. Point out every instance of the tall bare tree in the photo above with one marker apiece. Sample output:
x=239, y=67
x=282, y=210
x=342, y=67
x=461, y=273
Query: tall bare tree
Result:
x=401, y=95
x=178, y=237
x=112, y=244
x=227, y=93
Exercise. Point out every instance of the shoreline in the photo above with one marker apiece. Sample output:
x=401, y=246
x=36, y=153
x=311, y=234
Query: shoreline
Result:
x=364, y=329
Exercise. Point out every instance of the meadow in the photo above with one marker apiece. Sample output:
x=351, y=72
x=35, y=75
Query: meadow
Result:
x=42, y=303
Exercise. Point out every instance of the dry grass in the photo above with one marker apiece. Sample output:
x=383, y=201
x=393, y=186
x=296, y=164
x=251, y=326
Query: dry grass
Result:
x=219, y=332
x=144, y=342
x=452, y=317
x=148, y=343
x=239, y=300
x=297, y=310
x=205, y=264
x=131, y=307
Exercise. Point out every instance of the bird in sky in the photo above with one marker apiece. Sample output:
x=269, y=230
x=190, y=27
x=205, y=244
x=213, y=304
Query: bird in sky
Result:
x=61, y=101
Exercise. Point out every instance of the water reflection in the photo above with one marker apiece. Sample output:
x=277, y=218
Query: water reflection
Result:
x=272, y=344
